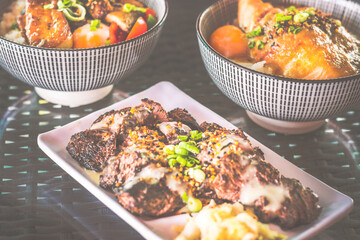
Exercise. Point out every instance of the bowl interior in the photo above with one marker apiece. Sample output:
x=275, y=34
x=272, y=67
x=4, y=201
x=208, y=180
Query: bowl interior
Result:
x=159, y=6
x=225, y=12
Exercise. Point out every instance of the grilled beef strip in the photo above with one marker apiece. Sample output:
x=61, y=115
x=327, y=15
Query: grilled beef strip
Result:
x=241, y=174
x=183, y=116
x=152, y=200
x=91, y=148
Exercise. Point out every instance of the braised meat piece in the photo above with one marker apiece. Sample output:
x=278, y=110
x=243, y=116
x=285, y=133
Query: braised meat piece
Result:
x=304, y=43
x=182, y=115
x=92, y=148
x=46, y=27
x=125, y=20
x=98, y=9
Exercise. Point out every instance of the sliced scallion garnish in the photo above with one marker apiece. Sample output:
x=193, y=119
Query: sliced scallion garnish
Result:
x=48, y=6
x=297, y=30
x=301, y=17
x=291, y=9
x=95, y=24
x=130, y=7
x=251, y=44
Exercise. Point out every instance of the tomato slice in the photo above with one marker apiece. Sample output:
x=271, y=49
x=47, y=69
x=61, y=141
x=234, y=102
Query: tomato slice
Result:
x=148, y=12
x=116, y=35
x=140, y=27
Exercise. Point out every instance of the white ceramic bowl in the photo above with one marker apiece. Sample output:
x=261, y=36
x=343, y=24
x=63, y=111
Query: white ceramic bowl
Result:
x=280, y=104
x=79, y=76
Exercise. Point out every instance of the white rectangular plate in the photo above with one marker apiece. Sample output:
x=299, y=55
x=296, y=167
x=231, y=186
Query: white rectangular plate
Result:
x=335, y=204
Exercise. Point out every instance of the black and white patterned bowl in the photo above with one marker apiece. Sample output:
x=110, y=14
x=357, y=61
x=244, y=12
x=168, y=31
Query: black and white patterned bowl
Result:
x=277, y=103
x=79, y=76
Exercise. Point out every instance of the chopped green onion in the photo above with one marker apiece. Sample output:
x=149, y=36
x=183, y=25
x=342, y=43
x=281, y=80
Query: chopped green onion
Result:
x=291, y=29
x=260, y=44
x=257, y=31
x=76, y=17
x=194, y=204
x=194, y=159
x=14, y=26
x=199, y=175
x=181, y=160
x=151, y=21
x=171, y=156
x=297, y=30
x=194, y=132
x=181, y=151
x=49, y=6
x=62, y=4
x=130, y=7
x=197, y=136
x=301, y=17
x=169, y=149
x=95, y=24
x=107, y=43
x=251, y=44
x=172, y=162
x=190, y=162
x=280, y=17
x=183, y=137
x=277, y=25
x=189, y=147
x=291, y=9
x=185, y=197
x=197, y=167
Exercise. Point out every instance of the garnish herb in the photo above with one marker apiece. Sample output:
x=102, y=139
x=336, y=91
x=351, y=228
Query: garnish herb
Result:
x=49, y=6
x=95, y=24
x=185, y=197
x=291, y=9
x=68, y=7
x=260, y=44
x=14, y=26
x=183, y=137
x=297, y=30
x=255, y=33
x=130, y=7
x=280, y=17
x=251, y=44
x=301, y=17
x=194, y=204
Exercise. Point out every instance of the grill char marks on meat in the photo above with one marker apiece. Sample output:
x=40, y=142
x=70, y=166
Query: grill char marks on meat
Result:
x=182, y=115
x=152, y=200
x=241, y=174
x=91, y=148
x=140, y=148
x=158, y=113
x=128, y=145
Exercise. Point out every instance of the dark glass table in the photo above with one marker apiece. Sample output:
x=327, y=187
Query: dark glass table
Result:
x=38, y=200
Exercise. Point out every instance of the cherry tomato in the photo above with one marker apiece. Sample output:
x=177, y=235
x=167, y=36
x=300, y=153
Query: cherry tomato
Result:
x=85, y=38
x=140, y=27
x=116, y=34
x=148, y=12
x=229, y=41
